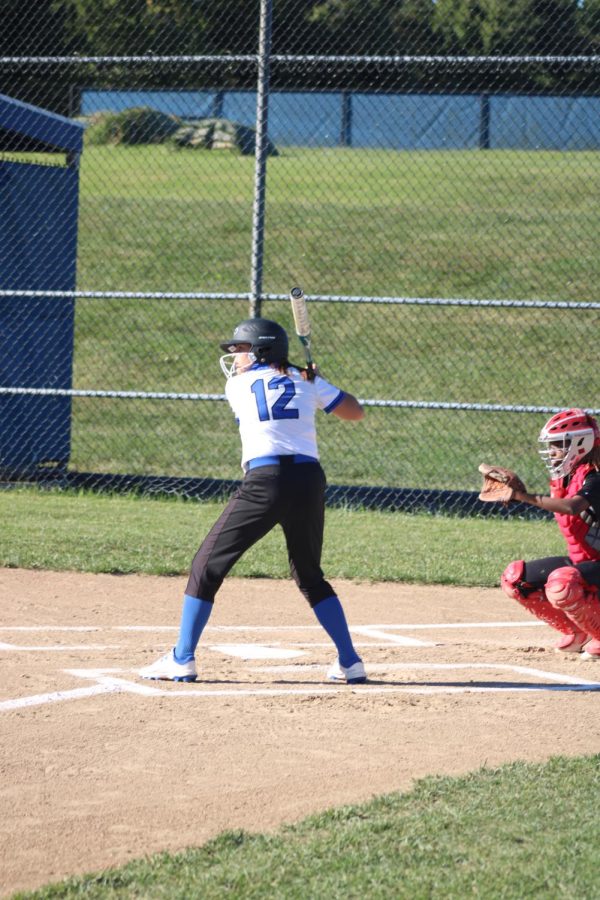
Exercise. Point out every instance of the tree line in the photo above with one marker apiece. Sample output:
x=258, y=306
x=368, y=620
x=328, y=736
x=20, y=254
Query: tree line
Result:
x=457, y=28
x=377, y=27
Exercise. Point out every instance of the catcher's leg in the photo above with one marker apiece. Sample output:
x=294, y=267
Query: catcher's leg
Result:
x=536, y=602
x=568, y=592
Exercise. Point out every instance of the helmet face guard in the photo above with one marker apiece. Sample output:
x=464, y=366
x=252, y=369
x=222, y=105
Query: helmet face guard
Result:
x=231, y=365
x=266, y=340
x=567, y=438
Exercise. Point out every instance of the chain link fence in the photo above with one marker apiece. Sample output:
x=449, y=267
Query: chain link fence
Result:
x=427, y=171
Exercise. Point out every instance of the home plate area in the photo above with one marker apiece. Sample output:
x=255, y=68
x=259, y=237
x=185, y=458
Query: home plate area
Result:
x=239, y=661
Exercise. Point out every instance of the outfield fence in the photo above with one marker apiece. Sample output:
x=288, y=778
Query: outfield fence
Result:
x=451, y=274
x=417, y=121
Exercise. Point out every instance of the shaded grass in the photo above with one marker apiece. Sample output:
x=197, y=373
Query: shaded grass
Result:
x=522, y=830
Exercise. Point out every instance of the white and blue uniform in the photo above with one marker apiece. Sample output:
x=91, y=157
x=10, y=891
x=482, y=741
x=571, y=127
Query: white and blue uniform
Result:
x=275, y=411
x=284, y=483
x=275, y=405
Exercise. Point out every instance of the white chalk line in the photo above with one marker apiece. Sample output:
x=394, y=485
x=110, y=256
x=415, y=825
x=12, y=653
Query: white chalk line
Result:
x=256, y=651
x=379, y=634
x=52, y=628
x=55, y=697
x=53, y=647
x=282, y=628
x=374, y=632
x=107, y=683
x=244, y=651
x=417, y=666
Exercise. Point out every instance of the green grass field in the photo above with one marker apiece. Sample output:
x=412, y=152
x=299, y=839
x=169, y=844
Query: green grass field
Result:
x=449, y=224
x=120, y=533
x=508, y=224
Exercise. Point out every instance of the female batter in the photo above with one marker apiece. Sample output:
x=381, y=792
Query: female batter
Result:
x=275, y=405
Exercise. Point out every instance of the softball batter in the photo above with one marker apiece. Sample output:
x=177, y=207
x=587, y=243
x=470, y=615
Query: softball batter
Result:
x=275, y=405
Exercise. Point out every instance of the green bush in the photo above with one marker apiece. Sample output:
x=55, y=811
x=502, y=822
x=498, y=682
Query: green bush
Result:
x=136, y=125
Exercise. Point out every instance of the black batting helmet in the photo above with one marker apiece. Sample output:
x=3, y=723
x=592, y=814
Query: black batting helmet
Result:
x=268, y=340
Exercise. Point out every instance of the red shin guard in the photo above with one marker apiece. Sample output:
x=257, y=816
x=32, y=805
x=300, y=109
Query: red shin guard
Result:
x=535, y=602
x=571, y=595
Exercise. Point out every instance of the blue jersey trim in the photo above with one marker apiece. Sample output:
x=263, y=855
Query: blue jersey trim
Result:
x=335, y=402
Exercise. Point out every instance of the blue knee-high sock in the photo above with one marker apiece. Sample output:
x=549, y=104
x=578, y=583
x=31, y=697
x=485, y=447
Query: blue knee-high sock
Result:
x=194, y=616
x=331, y=616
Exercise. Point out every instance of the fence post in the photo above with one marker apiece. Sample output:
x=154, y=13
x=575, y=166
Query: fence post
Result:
x=346, y=120
x=217, y=104
x=261, y=152
x=484, y=122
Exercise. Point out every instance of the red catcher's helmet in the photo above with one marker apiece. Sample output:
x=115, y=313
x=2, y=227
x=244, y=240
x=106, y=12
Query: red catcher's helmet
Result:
x=575, y=432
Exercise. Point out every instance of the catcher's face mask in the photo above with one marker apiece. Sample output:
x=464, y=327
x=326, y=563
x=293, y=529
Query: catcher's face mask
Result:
x=567, y=438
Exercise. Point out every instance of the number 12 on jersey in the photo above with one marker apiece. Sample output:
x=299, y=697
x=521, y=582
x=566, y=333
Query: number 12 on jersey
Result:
x=279, y=406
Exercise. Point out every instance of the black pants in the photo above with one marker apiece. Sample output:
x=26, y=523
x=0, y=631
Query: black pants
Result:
x=291, y=495
x=537, y=570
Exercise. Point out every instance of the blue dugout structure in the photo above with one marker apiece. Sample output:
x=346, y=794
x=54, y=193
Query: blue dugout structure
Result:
x=38, y=248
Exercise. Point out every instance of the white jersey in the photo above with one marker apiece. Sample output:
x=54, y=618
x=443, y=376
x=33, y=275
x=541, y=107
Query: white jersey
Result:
x=276, y=412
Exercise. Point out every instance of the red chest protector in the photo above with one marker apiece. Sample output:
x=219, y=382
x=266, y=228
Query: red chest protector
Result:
x=573, y=528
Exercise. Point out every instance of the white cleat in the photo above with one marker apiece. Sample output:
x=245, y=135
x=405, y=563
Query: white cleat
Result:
x=592, y=650
x=168, y=669
x=354, y=674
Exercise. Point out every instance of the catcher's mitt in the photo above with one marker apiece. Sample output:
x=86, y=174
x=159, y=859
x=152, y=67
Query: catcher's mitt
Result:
x=499, y=485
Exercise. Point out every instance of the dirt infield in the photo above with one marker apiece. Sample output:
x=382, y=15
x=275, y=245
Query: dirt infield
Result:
x=99, y=766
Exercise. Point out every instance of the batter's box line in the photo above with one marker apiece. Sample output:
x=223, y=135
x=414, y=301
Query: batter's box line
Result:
x=107, y=682
x=51, y=648
x=564, y=682
x=378, y=633
x=406, y=626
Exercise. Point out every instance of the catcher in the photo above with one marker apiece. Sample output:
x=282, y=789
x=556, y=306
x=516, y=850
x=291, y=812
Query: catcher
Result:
x=561, y=590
